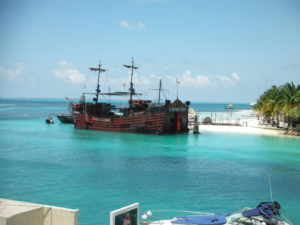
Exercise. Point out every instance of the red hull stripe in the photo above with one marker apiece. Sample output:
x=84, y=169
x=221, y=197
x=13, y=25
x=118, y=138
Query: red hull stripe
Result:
x=150, y=122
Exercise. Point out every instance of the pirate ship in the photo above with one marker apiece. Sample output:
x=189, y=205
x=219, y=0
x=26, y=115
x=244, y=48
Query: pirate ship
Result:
x=142, y=116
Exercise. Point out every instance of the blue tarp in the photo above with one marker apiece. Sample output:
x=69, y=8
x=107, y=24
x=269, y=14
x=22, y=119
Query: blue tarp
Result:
x=265, y=209
x=203, y=220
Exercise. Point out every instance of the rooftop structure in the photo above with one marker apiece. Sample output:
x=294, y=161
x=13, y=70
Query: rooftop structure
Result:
x=25, y=213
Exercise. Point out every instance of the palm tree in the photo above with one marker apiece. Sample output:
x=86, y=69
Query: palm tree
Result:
x=295, y=111
x=288, y=100
x=267, y=104
x=283, y=100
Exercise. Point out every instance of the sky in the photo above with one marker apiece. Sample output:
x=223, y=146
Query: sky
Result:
x=218, y=50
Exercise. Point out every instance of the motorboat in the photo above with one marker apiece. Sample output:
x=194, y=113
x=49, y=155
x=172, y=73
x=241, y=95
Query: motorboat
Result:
x=265, y=213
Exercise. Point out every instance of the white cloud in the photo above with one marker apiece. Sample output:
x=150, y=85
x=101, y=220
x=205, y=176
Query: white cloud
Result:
x=11, y=73
x=140, y=26
x=132, y=26
x=187, y=79
x=143, y=83
x=118, y=82
x=65, y=63
x=229, y=80
x=235, y=76
x=125, y=24
x=66, y=71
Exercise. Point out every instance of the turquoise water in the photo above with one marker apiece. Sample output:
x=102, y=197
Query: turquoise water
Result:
x=98, y=172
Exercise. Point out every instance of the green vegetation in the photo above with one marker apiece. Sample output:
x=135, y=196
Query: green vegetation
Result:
x=280, y=104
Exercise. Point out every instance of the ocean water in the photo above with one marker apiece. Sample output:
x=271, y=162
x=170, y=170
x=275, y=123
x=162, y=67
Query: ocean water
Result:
x=97, y=172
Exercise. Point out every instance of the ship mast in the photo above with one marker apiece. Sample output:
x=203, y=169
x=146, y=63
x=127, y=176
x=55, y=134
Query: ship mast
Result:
x=99, y=69
x=177, y=82
x=131, y=89
x=159, y=90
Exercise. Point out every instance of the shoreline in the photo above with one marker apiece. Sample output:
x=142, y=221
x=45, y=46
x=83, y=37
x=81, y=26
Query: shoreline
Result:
x=243, y=121
x=242, y=130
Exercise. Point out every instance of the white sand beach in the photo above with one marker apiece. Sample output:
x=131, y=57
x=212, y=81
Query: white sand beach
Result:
x=239, y=129
x=249, y=124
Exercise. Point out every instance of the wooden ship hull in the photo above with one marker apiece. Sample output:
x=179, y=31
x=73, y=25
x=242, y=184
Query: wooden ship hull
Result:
x=161, y=119
x=65, y=118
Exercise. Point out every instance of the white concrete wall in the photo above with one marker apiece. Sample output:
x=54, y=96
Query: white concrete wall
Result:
x=30, y=217
x=60, y=216
x=24, y=213
x=2, y=221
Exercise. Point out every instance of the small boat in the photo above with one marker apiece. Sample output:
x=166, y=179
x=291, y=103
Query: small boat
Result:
x=266, y=213
x=49, y=120
x=229, y=106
